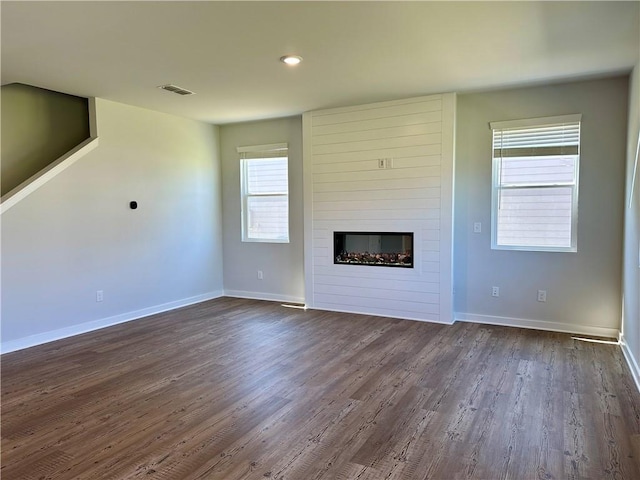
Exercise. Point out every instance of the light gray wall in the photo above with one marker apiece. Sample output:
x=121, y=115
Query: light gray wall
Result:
x=38, y=126
x=76, y=234
x=631, y=324
x=281, y=263
x=584, y=288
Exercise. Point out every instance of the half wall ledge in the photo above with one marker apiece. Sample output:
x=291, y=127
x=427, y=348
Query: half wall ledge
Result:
x=34, y=182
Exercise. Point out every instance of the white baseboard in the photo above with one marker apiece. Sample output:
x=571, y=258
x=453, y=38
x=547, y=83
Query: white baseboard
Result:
x=384, y=315
x=46, y=337
x=538, y=325
x=272, y=297
x=631, y=361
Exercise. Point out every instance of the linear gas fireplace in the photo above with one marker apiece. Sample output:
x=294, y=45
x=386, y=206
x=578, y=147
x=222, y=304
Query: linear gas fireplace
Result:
x=379, y=249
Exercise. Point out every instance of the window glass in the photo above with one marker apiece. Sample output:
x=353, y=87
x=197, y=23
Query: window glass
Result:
x=265, y=194
x=535, y=186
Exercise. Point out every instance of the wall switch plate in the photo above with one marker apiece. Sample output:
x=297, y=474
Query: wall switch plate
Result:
x=477, y=227
x=542, y=295
x=260, y=276
x=99, y=296
x=495, y=291
x=385, y=163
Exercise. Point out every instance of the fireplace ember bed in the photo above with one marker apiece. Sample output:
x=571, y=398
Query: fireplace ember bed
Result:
x=377, y=249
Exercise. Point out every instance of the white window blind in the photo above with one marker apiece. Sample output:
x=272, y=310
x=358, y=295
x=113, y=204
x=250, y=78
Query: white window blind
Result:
x=535, y=184
x=265, y=193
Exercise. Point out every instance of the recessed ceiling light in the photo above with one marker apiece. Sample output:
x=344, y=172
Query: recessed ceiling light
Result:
x=291, y=59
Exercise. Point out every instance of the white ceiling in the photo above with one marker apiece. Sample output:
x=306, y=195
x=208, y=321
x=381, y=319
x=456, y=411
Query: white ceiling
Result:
x=354, y=52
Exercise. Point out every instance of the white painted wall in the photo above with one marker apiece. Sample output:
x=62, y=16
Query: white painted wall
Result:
x=281, y=263
x=631, y=320
x=76, y=234
x=584, y=288
x=345, y=190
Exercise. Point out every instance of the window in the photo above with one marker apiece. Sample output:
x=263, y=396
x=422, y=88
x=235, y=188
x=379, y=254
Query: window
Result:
x=535, y=184
x=264, y=180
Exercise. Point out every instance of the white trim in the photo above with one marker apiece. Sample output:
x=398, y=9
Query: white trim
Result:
x=447, y=211
x=271, y=297
x=529, y=122
x=263, y=148
x=245, y=195
x=34, y=182
x=497, y=186
x=537, y=325
x=53, y=335
x=374, y=314
x=307, y=205
x=522, y=248
x=631, y=361
x=93, y=118
x=635, y=172
x=264, y=240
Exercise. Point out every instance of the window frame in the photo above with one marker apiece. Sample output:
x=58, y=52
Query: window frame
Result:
x=497, y=187
x=257, y=153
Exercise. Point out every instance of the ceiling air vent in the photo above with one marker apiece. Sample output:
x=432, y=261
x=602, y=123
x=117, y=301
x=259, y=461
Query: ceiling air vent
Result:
x=175, y=89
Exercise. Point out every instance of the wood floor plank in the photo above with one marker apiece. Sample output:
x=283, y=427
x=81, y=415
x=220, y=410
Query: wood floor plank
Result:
x=235, y=389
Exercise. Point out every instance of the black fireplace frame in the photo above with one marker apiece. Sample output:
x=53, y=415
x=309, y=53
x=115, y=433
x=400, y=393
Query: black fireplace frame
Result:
x=339, y=250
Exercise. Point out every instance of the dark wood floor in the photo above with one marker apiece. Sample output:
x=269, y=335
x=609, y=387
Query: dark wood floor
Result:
x=241, y=389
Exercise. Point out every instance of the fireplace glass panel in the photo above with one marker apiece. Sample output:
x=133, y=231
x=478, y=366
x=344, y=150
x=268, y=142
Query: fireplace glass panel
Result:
x=380, y=249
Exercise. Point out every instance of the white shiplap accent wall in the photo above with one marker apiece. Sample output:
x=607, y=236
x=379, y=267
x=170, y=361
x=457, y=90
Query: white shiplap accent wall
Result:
x=346, y=191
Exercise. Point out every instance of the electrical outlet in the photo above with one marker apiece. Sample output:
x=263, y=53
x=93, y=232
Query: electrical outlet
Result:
x=260, y=276
x=477, y=227
x=542, y=295
x=382, y=163
x=99, y=296
x=495, y=291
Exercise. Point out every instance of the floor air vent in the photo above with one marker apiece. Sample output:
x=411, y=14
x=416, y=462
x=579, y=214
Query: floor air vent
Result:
x=175, y=89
